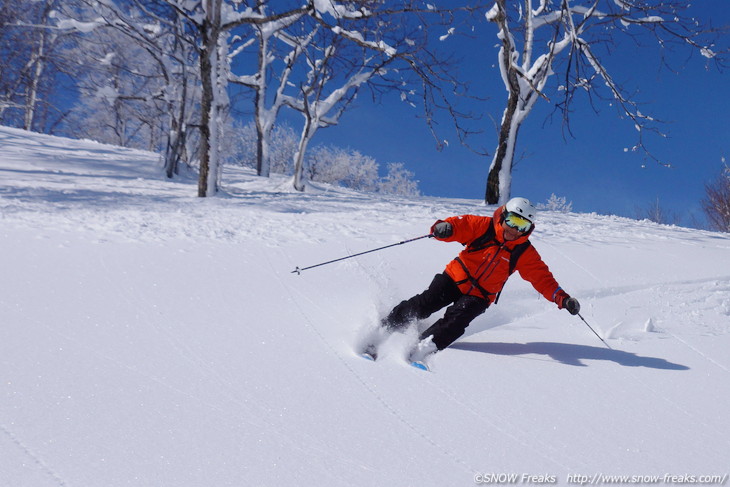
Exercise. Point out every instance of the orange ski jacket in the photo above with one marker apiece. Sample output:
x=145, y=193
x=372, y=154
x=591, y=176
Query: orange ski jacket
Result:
x=487, y=261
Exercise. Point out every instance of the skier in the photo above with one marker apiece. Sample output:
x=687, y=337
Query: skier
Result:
x=494, y=248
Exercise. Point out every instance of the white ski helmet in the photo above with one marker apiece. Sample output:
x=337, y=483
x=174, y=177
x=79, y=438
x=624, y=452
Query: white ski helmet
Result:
x=522, y=207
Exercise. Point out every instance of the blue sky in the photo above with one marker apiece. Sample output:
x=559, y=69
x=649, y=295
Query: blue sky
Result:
x=592, y=169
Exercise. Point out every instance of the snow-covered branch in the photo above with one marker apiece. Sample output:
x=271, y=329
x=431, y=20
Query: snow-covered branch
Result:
x=577, y=32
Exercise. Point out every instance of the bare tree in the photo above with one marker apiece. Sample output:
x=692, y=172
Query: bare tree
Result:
x=31, y=79
x=343, y=167
x=571, y=39
x=136, y=57
x=657, y=213
x=205, y=26
x=36, y=65
x=266, y=107
x=398, y=181
x=370, y=44
x=213, y=30
x=316, y=61
x=325, y=96
x=716, y=204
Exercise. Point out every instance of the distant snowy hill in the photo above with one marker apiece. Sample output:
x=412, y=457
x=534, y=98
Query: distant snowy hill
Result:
x=152, y=338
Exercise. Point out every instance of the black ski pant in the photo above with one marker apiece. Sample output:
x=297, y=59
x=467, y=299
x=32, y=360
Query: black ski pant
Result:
x=442, y=291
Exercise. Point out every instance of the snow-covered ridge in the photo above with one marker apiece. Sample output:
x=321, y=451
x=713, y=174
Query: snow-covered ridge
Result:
x=46, y=177
x=151, y=337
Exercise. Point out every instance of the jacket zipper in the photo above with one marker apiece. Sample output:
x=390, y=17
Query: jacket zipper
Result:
x=478, y=277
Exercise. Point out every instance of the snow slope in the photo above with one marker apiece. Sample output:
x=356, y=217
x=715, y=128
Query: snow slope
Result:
x=152, y=338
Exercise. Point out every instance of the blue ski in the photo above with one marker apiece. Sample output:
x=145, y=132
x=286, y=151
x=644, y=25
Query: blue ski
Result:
x=370, y=352
x=369, y=356
x=420, y=365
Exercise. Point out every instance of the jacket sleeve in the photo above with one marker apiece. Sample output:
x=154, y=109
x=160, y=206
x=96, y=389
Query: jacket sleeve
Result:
x=466, y=228
x=536, y=272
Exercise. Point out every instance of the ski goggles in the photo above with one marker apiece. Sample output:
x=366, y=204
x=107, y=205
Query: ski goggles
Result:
x=519, y=223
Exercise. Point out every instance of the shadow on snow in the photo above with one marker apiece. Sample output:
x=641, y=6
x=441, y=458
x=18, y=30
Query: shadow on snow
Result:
x=570, y=354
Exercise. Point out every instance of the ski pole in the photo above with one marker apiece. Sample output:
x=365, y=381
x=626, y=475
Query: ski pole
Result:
x=299, y=271
x=594, y=331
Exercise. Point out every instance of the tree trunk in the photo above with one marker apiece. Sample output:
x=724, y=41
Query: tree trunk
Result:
x=206, y=102
x=310, y=127
x=263, y=125
x=175, y=143
x=176, y=136
x=35, y=79
x=208, y=71
x=500, y=171
x=499, y=179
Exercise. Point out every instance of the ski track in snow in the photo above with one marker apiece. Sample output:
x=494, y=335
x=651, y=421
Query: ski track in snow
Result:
x=522, y=438
x=248, y=413
x=35, y=458
x=698, y=352
x=310, y=449
x=344, y=362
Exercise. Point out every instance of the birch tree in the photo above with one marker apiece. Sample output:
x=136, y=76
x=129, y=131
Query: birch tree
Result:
x=316, y=60
x=359, y=44
x=12, y=58
x=208, y=27
x=570, y=40
x=36, y=65
x=31, y=55
x=214, y=24
x=136, y=55
x=266, y=105
x=322, y=101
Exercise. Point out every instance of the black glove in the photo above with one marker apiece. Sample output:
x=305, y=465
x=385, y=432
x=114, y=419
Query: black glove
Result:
x=572, y=305
x=442, y=230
